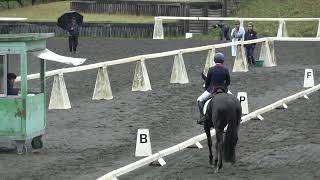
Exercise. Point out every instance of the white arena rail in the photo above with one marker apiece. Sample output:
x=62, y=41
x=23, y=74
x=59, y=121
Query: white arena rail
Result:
x=59, y=97
x=159, y=155
x=282, y=30
x=12, y=19
x=234, y=18
x=162, y=54
x=152, y=56
x=292, y=39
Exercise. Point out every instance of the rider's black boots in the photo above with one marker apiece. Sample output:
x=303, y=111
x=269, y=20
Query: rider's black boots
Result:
x=202, y=117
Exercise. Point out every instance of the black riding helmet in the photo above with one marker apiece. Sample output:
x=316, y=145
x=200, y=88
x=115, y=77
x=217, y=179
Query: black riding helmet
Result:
x=11, y=76
x=219, y=58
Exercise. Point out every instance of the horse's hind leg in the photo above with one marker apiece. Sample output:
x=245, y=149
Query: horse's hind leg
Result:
x=216, y=156
x=219, y=144
x=209, y=144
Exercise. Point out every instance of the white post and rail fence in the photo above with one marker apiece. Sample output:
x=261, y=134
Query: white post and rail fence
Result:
x=59, y=97
x=282, y=29
x=194, y=140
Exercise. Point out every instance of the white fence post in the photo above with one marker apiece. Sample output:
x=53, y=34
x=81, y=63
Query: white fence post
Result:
x=241, y=23
x=102, y=89
x=179, y=72
x=282, y=30
x=318, y=33
x=273, y=56
x=279, y=34
x=59, y=96
x=209, y=62
x=141, y=80
x=158, y=29
x=267, y=54
x=240, y=62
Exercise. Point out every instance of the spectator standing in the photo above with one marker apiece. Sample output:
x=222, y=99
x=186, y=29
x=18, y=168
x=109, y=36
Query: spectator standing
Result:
x=237, y=34
x=250, y=35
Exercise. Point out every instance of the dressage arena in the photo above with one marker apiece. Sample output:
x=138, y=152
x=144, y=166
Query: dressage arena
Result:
x=96, y=137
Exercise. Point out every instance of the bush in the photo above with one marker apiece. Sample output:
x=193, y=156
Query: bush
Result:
x=15, y=4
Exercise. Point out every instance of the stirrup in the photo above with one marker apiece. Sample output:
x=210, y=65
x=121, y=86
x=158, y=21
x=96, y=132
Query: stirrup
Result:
x=201, y=120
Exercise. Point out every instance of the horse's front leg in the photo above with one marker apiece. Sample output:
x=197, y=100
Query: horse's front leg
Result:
x=219, y=137
x=216, y=155
x=209, y=144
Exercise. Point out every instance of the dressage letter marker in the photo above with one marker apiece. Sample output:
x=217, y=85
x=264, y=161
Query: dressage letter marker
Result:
x=143, y=146
x=308, y=78
x=143, y=138
x=242, y=96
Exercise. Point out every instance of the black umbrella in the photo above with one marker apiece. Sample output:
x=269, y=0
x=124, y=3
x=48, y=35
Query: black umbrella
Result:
x=65, y=19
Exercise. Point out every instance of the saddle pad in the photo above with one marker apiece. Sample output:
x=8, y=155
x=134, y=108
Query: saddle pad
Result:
x=205, y=106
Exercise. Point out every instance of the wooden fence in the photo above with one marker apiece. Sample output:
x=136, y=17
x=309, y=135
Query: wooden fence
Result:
x=137, y=8
x=110, y=30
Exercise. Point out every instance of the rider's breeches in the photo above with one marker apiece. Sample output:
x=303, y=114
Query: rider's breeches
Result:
x=204, y=96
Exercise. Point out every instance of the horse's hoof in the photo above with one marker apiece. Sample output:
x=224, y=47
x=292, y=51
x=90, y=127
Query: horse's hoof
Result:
x=200, y=122
x=216, y=171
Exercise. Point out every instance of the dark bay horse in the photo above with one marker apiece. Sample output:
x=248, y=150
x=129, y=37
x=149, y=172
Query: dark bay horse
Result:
x=224, y=109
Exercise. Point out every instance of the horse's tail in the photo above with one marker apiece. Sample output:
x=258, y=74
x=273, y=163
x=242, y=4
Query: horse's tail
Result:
x=231, y=138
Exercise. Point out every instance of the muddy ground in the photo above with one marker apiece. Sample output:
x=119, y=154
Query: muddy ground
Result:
x=96, y=137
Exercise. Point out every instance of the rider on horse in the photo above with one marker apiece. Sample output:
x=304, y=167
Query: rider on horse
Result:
x=218, y=77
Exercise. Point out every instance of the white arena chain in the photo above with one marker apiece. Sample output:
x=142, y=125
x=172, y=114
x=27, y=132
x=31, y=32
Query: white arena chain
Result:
x=162, y=54
x=145, y=161
x=282, y=30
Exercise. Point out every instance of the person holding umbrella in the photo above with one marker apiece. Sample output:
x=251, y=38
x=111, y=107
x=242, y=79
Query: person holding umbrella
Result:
x=71, y=22
x=73, y=32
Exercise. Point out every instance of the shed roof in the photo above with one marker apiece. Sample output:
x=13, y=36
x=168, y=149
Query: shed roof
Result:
x=51, y=56
x=24, y=37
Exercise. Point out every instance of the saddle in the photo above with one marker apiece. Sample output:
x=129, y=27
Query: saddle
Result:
x=205, y=107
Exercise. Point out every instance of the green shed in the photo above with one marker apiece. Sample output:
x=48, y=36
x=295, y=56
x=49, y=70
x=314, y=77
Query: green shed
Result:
x=23, y=115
